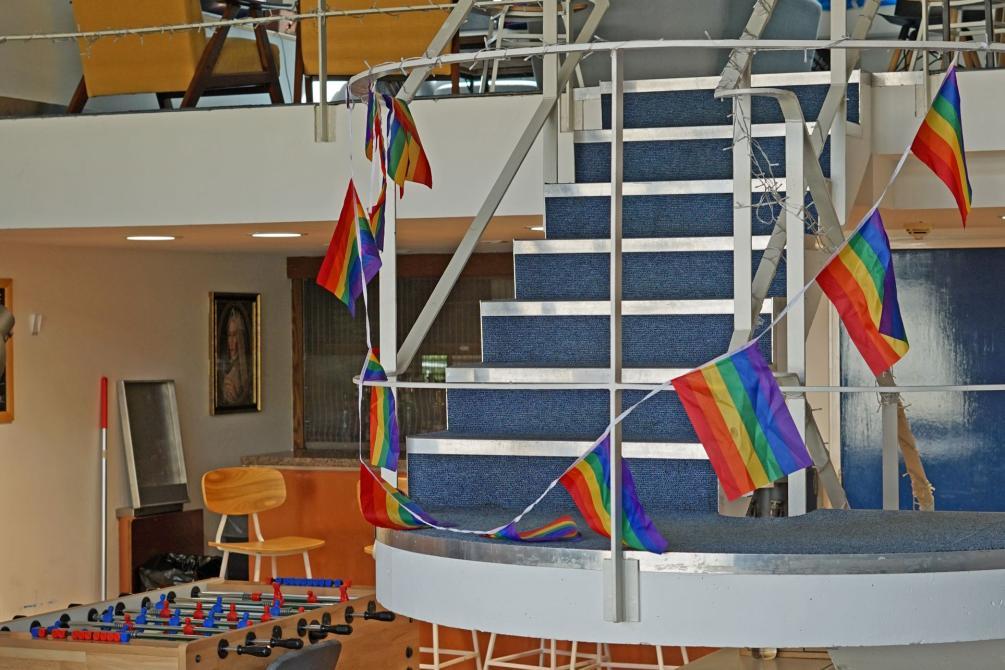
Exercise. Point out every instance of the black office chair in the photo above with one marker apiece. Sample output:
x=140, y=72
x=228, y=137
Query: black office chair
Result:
x=907, y=15
x=320, y=656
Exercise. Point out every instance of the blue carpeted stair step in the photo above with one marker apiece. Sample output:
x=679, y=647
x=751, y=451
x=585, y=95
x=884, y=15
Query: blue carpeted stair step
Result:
x=669, y=160
x=577, y=414
x=576, y=333
x=512, y=482
x=576, y=216
x=681, y=108
x=647, y=275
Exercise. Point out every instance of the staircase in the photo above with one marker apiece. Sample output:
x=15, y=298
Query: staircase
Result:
x=502, y=447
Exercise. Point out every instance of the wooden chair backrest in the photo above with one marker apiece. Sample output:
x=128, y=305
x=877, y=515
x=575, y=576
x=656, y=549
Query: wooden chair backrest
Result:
x=243, y=490
x=138, y=64
x=370, y=38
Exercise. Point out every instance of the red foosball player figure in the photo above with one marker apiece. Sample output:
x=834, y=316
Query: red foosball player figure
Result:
x=343, y=591
x=198, y=614
x=188, y=628
x=232, y=614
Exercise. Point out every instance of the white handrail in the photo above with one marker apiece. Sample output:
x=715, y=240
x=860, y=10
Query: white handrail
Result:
x=359, y=83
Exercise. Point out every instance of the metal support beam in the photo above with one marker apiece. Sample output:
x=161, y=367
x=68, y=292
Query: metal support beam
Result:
x=737, y=71
x=550, y=89
x=441, y=40
x=614, y=609
x=795, y=320
x=744, y=314
x=470, y=240
x=890, y=478
x=467, y=246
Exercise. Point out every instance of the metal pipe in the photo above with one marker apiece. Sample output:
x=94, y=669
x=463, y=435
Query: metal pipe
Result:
x=616, y=610
x=322, y=124
x=103, y=521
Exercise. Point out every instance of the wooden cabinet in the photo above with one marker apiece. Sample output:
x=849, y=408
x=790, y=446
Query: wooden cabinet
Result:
x=143, y=537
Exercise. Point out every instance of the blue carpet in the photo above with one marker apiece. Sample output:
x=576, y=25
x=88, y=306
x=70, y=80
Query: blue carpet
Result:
x=571, y=415
x=695, y=215
x=647, y=276
x=820, y=532
x=677, y=341
x=512, y=482
x=681, y=160
x=700, y=108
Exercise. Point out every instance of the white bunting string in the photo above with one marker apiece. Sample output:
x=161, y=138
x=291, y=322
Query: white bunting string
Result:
x=665, y=386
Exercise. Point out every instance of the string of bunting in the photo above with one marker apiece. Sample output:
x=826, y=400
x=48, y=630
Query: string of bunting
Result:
x=733, y=401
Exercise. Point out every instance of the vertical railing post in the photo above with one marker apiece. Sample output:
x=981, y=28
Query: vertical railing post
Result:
x=322, y=133
x=550, y=89
x=616, y=610
x=388, y=290
x=795, y=320
x=891, y=445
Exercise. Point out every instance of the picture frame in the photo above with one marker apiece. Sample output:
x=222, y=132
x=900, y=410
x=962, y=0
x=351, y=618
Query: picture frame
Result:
x=235, y=352
x=7, y=378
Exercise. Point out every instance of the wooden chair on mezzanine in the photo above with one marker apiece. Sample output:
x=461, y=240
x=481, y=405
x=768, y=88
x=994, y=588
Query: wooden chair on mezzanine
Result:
x=183, y=64
x=357, y=42
x=248, y=491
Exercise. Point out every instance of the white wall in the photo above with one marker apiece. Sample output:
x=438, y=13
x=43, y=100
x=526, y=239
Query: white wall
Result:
x=122, y=314
x=248, y=165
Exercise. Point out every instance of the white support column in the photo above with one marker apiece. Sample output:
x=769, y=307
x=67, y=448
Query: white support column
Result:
x=550, y=90
x=614, y=609
x=322, y=129
x=795, y=321
x=838, y=136
x=891, y=445
x=388, y=288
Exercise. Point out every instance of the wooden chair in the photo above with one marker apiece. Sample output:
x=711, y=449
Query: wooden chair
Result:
x=248, y=491
x=182, y=64
x=355, y=42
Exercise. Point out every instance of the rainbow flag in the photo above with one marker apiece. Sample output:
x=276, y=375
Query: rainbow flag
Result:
x=342, y=270
x=384, y=447
x=384, y=506
x=377, y=216
x=373, y=134
x=373, y=371
x=588, y=482
x=939, y=143
x=739, y=414
x=562, y=528
x=859, y=281
x=407, y=159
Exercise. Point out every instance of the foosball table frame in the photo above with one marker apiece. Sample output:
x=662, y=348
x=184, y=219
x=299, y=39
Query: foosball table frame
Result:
x=377, y=641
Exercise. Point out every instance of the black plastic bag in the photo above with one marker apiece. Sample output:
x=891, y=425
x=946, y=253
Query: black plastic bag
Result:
x=170, y=569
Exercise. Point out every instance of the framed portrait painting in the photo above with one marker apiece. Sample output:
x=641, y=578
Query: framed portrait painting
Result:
x=235, y=352
x=7, y=376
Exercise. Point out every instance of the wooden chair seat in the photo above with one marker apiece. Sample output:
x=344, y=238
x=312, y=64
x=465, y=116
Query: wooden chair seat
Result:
x=276, y=546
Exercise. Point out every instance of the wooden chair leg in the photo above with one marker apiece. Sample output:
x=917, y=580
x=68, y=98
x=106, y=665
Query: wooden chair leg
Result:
x=474, y=648
x=164, y=101
x=267, y=61
x=298, y=70
x=79, y=99
x=258, y=568
x=207, y=62
x=489, y=651
x=275, y=572
x=307, y=566
x=223, y=565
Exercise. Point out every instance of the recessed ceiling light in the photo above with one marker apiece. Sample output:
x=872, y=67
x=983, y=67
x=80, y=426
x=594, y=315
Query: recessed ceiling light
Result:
x=276, y=235
x=150, y=238
x=537, y=228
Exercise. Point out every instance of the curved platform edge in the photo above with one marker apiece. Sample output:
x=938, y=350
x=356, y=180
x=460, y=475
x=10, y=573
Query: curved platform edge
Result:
x=563, y=599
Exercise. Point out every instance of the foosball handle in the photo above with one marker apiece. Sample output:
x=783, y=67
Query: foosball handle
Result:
x=287, y=643
x=379, y=616
x=255, y=650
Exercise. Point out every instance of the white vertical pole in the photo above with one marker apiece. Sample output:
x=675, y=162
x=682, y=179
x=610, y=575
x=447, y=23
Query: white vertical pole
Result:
x=102, y=517
x=550, y=90
x=616, y=611
x=795, y=328
x=388, y=291
x=890, y=478
x=322, y=134
x=742, y=246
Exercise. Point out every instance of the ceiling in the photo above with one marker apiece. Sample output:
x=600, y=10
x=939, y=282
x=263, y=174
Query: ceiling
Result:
x=414, y=236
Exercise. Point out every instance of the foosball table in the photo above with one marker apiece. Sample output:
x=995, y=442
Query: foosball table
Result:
x=213, y=624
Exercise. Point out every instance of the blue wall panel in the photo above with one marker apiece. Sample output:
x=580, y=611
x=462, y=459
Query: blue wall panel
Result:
x=954, y=321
